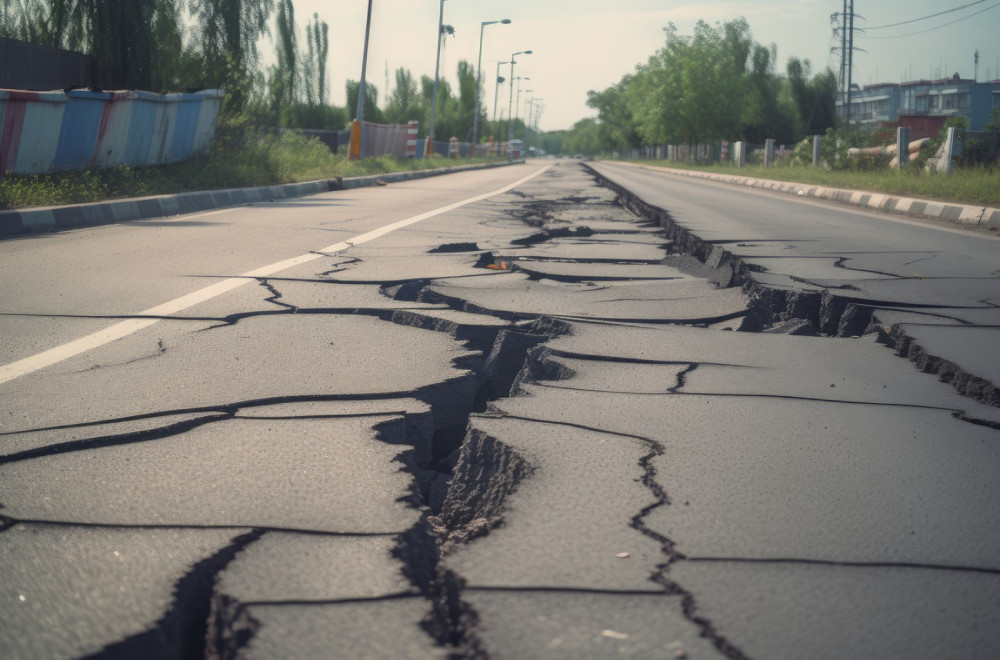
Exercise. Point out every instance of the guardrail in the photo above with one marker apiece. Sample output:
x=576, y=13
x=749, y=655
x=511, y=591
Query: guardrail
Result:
x=44, y=132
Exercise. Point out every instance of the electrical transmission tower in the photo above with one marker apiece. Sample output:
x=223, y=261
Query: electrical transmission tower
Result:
x=843, y=27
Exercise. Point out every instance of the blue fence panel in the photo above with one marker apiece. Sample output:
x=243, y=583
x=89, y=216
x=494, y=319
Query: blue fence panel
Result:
x=78, y=135
x=27, y=141
x=102, y=129
x=141, y=126
x=163, y=134
x=185, y=126
x=113, y=133
x=211, y=104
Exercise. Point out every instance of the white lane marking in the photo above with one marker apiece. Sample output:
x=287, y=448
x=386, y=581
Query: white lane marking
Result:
x=131, y=326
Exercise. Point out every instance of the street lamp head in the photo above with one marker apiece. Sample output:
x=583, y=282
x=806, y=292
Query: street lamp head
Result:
x=506, y=21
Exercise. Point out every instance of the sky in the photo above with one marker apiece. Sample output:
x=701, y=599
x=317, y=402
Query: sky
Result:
x=581, y=45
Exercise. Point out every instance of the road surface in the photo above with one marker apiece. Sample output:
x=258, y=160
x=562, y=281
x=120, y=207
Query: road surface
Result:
x=546, y=410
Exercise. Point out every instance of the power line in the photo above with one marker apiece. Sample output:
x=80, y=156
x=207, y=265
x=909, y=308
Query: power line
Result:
x=924, y=18
x=938, y=27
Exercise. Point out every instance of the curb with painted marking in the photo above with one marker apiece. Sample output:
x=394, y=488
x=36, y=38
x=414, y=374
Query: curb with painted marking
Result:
x=56, y=218
x=964, y=214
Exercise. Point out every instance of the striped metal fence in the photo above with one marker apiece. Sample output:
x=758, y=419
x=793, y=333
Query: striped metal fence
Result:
x=53, y=131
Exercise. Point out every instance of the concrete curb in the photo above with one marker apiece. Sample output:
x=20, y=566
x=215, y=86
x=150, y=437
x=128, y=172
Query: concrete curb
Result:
x=976, y=216
x=56, y=218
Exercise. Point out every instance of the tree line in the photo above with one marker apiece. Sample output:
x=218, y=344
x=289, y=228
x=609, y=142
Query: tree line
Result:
x=177, y=45
x=716, y=84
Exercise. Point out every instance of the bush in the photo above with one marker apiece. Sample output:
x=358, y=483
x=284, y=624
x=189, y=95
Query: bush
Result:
x=983, y=151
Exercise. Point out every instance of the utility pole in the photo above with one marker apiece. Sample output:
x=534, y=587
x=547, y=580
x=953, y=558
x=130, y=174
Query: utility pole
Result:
x=843, y=23
x=850, y=57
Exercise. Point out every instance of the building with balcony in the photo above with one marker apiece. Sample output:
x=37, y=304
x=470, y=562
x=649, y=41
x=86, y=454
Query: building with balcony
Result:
x=936, y=100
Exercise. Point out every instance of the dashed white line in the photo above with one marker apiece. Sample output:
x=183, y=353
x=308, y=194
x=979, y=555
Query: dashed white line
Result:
x=94, y=340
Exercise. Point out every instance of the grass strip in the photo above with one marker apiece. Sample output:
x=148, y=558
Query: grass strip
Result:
x=238, y=159
x=978, y=186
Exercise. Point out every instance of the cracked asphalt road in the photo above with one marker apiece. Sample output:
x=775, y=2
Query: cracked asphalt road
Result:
x=556, y=411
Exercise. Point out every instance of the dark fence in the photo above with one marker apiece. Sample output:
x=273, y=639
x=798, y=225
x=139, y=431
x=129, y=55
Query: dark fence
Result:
x=332, y=139
x=27, y=66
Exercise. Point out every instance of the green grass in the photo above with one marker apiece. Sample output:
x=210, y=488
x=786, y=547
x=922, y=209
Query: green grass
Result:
x=238, y=159
x=976, y=186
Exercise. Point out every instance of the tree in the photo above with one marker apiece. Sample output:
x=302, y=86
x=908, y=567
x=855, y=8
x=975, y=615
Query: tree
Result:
x=372, y=112
x=26, y=20
x=284, y=74
x=584, y=139
x=815, y=99
x=466, y=101
x=617, y=128
x=716, y=84
x=405, y=102
x=228, y=32
x=118, y=33
x=314, y=69
x=175, y=65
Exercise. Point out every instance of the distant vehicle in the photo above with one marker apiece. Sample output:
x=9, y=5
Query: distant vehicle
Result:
x=515, y=148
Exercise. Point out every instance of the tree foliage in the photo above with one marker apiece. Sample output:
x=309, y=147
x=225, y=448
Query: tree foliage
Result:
x=405, y=102
x=227, y=31
x=715, y=84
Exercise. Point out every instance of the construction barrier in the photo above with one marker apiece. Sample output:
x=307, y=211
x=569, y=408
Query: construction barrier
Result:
x=385, y=139
x=102, y=129
x=412, y=128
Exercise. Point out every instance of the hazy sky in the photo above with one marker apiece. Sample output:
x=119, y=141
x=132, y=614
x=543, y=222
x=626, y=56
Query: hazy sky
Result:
x=581, y=45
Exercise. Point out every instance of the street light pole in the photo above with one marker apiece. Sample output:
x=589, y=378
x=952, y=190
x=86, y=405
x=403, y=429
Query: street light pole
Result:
x=479, y=66
x=429, y=147
x=535, y=106
x=496, y=92
x=510, y=101
x=356, y=148
x=517, y=105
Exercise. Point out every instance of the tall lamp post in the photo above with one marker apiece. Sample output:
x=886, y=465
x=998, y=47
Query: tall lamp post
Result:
x=479, y=84
x=517, y=104
x=510, y=102
x=356, y=148
x=437, y=66
x=496, y=92
x=533, y=107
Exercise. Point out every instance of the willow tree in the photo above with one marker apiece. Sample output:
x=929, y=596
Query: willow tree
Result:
x=117, y=33
x=314, y=69
x=284, y=74
x=27, y=20
x=228, y=31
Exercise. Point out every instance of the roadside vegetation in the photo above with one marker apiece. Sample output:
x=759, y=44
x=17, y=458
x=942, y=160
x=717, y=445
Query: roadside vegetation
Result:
x=976, y=186
x=974, y=179
x=179, y=45
x=240, y=157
